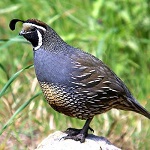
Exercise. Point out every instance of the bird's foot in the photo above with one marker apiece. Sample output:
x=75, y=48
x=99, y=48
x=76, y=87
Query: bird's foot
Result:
x=76, y=134
x=79, y=137
x=73, y=131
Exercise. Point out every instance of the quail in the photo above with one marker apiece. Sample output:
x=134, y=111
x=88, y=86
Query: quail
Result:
x=74, y=82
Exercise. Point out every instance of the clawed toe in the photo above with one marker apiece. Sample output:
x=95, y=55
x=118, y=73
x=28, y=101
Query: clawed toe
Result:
x=72, y=131
x=78, y=137
x=91, y=129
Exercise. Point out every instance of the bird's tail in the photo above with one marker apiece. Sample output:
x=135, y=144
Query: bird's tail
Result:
x=140, y=109
x=131, y=104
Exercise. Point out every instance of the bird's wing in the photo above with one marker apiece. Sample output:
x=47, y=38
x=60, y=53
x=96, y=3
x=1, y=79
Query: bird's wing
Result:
x=93, y=78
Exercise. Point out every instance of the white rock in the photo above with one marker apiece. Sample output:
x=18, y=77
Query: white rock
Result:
x=55, y=141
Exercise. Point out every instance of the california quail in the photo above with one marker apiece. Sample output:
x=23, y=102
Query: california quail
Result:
x=74, y=82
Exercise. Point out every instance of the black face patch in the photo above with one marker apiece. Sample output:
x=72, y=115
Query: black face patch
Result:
x=32, y=37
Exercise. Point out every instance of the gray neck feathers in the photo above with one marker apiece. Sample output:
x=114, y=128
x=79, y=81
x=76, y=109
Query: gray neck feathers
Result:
x=53, y=42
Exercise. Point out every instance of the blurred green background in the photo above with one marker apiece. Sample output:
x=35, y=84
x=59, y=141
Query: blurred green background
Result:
x=117, y=32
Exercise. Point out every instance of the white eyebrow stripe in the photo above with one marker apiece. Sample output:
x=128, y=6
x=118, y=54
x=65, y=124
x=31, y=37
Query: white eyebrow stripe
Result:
x=37, y=26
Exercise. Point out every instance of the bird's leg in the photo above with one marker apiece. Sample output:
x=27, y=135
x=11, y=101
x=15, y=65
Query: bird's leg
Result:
x=79, y=134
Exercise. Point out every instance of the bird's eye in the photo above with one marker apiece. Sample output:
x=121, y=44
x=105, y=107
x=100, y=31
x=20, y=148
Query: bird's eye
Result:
x=33, y=29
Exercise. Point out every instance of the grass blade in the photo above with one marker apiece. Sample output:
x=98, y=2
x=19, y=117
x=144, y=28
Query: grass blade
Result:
x=12, y=79
x=18, y=111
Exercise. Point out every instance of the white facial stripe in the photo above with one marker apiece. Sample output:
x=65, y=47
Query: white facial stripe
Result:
x=31, y=24
x=40, y=40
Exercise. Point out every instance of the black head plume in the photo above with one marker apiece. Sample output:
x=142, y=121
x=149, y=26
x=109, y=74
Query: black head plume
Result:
x=13, y=23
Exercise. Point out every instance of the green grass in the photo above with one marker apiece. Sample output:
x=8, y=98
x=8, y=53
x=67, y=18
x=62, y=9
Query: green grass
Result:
x=117, y=32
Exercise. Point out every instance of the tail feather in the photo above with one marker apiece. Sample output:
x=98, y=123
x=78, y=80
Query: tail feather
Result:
x=131, y=104
x=140, y=109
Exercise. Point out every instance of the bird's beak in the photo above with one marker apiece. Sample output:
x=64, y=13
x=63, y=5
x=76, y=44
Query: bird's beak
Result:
x=22, y=32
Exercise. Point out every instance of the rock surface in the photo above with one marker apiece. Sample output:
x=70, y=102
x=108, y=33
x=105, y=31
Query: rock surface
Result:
x=55, y=141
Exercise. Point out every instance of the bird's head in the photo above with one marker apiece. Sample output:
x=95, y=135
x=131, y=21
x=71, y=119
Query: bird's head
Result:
x=33, y=30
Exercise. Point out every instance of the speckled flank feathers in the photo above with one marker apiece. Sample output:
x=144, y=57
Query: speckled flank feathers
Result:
x=63, y=101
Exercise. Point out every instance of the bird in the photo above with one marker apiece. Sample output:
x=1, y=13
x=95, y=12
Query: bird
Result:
x=73, y=81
